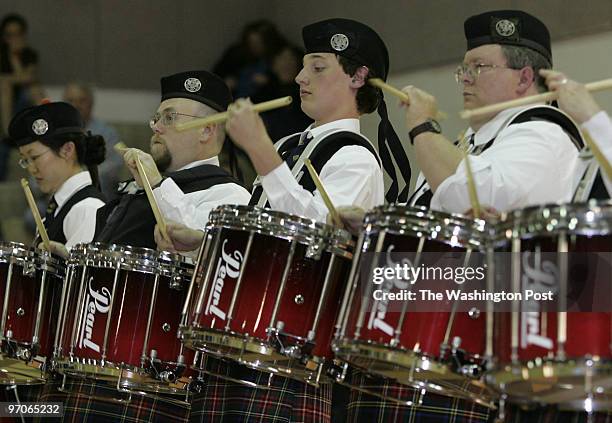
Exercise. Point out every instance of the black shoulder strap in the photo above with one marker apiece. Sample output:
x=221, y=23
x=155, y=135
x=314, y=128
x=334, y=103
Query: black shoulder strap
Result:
x=552, y=115
x=329, y=146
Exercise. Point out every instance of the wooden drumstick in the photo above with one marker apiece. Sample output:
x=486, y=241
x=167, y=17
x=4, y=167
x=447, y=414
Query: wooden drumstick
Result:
x=39, y=223
x=159, y=217
x=223, y=116
x=330, y=206
x=471, y=186
x=405, y=98
x=605, y=84
x=604, y=164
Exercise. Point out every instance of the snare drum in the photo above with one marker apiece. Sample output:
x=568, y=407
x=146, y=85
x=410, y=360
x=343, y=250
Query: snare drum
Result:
x=440, y=351
x=120, y=316
x=266, y=290
x=31, y=287
x=555, y=357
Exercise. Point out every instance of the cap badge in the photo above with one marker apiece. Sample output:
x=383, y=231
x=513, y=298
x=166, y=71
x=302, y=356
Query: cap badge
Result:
x=505, y=28
x=339, y=42
x=192, y=85
x=40, y=127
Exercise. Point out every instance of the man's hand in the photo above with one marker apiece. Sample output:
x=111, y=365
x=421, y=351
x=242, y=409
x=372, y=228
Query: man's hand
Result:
x=181, y=237
x=422, y=106
x=351, y=217
x=486, y=213
x=56, y=248
x=245, y=126
x=574, y=99
x=148, y=164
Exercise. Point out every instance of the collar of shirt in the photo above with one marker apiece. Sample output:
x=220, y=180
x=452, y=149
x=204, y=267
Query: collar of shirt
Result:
x=351, y=125
x=492, y=127
x=71, y=186
x=212, y=161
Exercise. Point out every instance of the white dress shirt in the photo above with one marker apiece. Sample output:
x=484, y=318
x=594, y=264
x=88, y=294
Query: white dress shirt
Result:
x=529, y=163
x=600, y=129
x=351, y=177
x=192, y=209
x=80, y=222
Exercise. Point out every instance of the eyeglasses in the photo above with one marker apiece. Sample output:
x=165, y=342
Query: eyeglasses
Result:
x=27, y=162
x=168, y=118
x=473, y=71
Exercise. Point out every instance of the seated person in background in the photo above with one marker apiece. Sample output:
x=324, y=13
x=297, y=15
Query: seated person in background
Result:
x=64, y=161
x=81, y=96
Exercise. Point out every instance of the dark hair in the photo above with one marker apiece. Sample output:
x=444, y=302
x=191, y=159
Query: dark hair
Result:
x=368, y=97
x=90, y=150
x=273, y=40
x=13, y=18
x=518, y=57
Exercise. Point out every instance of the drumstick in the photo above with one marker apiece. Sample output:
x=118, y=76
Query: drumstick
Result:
x=223, y=116
x=39, y=223
x=471, y=186
x=405, y=98
x=604, y=164
x=159, y=218
x=330, y=206
x=605, y=84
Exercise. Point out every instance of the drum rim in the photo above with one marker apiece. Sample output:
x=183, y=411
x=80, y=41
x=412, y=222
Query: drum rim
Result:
x=280, y=225
x=457, y=230
x=42, y=259
x=591, y=218
x=141, y=259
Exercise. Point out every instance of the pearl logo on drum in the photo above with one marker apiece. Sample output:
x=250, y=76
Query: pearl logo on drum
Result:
x=95, y=302
x=228, y=265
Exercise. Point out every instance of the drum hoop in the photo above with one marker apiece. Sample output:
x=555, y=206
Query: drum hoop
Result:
x=142, y=260
x=452, y=229
x=590, y=219
x=42, y=260
x=281, y=225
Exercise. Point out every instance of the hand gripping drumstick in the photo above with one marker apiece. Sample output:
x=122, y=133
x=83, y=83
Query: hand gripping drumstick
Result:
x=605, y=84
x=120, y=148
x=39, y=223
x=379, y=83
x=330, y=206
x=223, y=116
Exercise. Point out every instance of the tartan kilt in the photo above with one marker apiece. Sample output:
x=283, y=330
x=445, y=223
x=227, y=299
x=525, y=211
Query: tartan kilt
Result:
x=364, y=408
x=286, y=400
x=93, y=401
x=551, y=414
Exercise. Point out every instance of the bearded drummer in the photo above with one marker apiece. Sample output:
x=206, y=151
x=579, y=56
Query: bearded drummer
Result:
x=576, y=101
x=183, y=167
x=63, y=159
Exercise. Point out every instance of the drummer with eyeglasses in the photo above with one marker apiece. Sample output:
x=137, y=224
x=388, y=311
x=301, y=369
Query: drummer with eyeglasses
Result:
x=63, y=160
x=519, y=156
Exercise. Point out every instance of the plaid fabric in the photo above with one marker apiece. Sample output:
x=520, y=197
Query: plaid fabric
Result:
x=286, y=400
x=91, y=401
x=551, y=414
x=364, y=408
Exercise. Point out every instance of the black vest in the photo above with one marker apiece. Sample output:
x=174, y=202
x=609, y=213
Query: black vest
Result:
x=536, y=113
x=129, y=220
x=321, y=154
x=55, y=224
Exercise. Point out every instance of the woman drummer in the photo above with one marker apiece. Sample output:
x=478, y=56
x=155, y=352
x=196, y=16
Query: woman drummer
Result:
x=63, y=160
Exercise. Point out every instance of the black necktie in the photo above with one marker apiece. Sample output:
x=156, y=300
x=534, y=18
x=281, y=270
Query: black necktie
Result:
x=51, y=207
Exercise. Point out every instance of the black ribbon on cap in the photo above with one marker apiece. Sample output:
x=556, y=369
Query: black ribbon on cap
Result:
x=390, y=145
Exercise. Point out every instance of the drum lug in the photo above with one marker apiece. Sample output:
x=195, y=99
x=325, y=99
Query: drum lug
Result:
x=337, y=371
x=315, y=250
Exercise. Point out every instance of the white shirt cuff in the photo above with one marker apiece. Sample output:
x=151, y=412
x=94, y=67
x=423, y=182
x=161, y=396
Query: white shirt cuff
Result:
x=279, y=182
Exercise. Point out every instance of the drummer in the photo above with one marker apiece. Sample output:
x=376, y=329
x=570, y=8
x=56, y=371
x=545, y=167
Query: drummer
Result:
x=63, y=160
x=576, y=101
x=192, y=182
x=519, y=156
